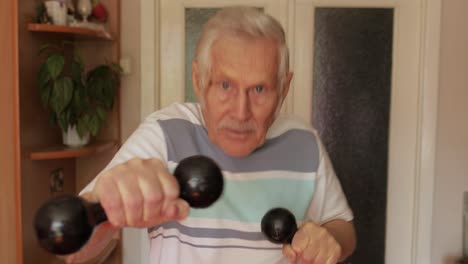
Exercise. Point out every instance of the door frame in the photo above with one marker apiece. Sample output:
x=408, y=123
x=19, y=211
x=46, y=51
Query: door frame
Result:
x=11, y=241
x=412, y=242
x=413, y=117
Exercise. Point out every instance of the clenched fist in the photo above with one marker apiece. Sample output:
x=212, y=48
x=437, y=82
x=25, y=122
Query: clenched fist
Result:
x=313, y=244
x=139, y=193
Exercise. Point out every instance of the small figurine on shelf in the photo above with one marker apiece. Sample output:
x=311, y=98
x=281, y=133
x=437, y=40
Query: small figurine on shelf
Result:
x=84, y=8
x=91, y=14
x=41, y=14
x=99, y=11
x=57, y=10
x=71, y=12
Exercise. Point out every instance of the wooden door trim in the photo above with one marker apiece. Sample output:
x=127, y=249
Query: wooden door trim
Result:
x=10, y=136
x=16, y=133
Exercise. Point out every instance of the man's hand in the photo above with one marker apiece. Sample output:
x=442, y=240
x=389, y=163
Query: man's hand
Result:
x=139, y=193
x=313, y=244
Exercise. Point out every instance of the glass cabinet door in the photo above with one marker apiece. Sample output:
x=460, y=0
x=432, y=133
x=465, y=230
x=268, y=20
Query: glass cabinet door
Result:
x=351, y=110
x=195, y=18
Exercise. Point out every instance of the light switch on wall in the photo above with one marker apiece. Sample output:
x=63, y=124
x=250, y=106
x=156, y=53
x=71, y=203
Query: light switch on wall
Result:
x=126, y=65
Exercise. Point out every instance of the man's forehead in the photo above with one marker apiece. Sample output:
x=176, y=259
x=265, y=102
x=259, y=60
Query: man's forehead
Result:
x=247, y=75
x=231, y=53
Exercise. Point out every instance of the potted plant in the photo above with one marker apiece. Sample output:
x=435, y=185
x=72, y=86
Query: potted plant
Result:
x=78, y=100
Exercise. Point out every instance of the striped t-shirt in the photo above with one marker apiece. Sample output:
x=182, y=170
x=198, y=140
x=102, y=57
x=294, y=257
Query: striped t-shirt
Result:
x=291, y=170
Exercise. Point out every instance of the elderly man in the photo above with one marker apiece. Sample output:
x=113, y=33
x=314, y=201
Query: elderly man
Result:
x=241, y=78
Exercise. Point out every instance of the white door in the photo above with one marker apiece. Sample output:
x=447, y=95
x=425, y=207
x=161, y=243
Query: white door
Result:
x=413, y=101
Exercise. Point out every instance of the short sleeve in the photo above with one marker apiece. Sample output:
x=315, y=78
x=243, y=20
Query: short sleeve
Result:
x=328, y=201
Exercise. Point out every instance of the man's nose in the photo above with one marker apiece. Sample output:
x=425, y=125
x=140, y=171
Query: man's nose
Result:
x=242, y=109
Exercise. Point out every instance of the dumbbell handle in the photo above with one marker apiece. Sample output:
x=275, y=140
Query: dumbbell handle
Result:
x=96, y=213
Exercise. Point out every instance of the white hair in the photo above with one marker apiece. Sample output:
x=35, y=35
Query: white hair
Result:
x=241, y=21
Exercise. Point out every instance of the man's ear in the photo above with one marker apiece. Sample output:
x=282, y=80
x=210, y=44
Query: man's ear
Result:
x=196, y=81
x=286, y=86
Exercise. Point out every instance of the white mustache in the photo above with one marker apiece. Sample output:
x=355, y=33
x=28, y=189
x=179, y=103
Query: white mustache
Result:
x=238, y=126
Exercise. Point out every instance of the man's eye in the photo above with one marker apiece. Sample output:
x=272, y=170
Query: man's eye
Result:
x=225, y=85
x=259, y=88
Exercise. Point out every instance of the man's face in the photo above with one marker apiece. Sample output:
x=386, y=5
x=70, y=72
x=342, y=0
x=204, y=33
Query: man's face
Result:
x=241, y=93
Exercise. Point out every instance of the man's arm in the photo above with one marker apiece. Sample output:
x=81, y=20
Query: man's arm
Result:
x=344, y=234
x=99, y=243
x=137, y=193
x=146, y=142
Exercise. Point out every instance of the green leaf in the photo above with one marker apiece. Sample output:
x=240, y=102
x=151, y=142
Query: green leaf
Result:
x=101, y=89
x=67, y=42
x=45, y=86
x=49, y=47
x=63, y=121
x=43, y=48
x=102, y=82
x=100, y=70
x=82, y=125
x=45, y=94
x=62, y=93
x=117, y=68
x=95, y=88
x=78, y=100
x=76, y=72
x=55, y=65
x=43, y=76
x=109, y=92
x=78, y=58
x=94, y=124
x=101, y=113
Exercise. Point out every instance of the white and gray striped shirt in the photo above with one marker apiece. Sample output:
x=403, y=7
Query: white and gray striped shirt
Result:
x=291, y=170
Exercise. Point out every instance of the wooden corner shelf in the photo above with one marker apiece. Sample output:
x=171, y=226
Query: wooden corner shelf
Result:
x=85, y=32
x=64, y=152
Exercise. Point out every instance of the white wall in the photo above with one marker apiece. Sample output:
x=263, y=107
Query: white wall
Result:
x=451, y=175
x=130, y=49
x=130, y=104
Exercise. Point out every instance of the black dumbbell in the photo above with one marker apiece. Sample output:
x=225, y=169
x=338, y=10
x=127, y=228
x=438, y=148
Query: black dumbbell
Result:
x=64, y=224
x=279, y=225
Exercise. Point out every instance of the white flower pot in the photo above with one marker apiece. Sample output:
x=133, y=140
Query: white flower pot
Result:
x=72, y=139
